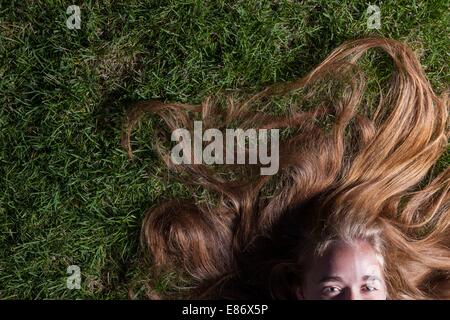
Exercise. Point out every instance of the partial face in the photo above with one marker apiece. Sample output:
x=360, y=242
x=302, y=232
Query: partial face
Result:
x=345, y=272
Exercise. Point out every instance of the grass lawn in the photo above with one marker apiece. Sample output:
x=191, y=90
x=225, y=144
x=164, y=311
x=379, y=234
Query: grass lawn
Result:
x=68, y=194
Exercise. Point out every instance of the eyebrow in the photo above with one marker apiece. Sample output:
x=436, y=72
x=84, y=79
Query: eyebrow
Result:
x=329, y=279
x=372, y=278
x=339, y=279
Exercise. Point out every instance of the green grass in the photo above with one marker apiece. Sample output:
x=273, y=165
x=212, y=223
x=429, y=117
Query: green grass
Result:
x=68, y=194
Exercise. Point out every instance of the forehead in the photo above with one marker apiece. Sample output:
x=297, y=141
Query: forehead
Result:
x=348, y=261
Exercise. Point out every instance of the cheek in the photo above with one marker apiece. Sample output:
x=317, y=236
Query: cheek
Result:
x=377, y=295
x=380, y=296
x=383, y=294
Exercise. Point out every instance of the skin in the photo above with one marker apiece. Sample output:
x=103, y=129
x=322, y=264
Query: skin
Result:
x=345, y=272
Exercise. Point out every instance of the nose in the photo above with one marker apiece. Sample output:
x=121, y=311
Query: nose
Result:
x=351, y=294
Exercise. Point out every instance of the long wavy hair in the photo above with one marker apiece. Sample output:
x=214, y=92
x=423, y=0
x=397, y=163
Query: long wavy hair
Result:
x=352, y=166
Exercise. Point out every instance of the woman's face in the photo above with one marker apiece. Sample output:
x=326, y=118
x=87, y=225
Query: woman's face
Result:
x=345, y=272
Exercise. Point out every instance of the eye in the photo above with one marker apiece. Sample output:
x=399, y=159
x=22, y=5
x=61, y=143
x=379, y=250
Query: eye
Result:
x=331, y=291
x=369, y=288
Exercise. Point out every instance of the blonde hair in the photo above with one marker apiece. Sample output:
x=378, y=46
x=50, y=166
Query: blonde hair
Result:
x=355, y=178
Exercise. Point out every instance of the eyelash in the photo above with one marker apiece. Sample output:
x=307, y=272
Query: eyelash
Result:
x=328, y=290
x=370, y=288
